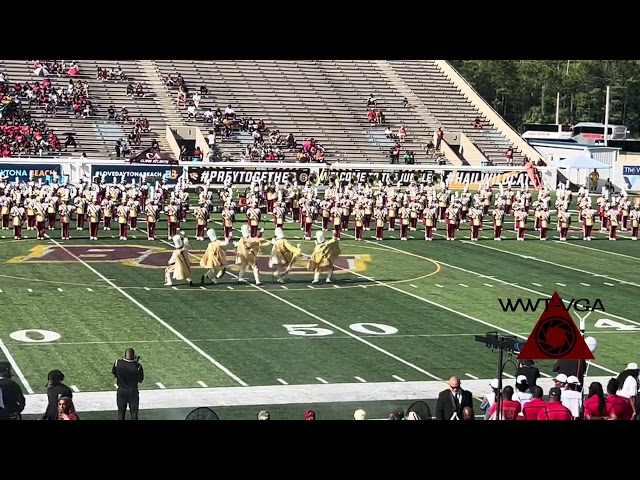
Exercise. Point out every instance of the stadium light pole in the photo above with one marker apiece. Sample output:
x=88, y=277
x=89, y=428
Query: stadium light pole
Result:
x=558, y=108
x=606, y=118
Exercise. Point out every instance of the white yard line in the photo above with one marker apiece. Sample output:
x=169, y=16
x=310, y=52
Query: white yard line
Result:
x=473, y=377
x=400, y=379
x=360, y=379
x=275, y=395
x=202, y=384
x=336, y=327
x=464, y=315
x=152, y=315
x=15, y=367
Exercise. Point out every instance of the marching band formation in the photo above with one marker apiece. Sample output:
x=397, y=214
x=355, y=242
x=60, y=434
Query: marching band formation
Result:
x=343, y=206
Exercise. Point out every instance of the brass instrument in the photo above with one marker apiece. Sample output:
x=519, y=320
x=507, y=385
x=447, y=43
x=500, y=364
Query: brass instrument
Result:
x=291, y=178
x=416, y=177
x=313, y=178
x=372, y=180
x=436, y=177
x=393, y=178
x=353, y=180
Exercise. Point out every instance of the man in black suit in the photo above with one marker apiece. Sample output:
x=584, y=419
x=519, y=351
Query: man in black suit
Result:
x=452, y=402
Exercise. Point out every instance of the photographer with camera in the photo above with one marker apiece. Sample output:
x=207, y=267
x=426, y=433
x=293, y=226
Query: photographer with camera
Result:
x=12, y=401
x=129, y=374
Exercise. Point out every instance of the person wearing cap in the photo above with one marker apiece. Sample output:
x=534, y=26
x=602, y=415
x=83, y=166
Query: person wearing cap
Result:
x=359, y=414
x=567, y=368
x=628, y=381
x=535, y=405
x=12, y=401
x=522, y=393
x=560, y=381
x=264, y=415
x=571, y=397
x=554, y=409
x=530, y=371
x=619, y=407
x=490, y=398
x=310, y=415
x=509, y=408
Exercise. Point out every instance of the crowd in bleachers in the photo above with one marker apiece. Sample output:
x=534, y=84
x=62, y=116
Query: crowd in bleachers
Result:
x=20, y=134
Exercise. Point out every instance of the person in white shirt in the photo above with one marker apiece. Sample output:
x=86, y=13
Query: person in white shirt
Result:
x=521, y=393
x=571, y=398
x=191, y=111
x=490, y=398
x=211, y=139
x=629, y=381
x=229, y=112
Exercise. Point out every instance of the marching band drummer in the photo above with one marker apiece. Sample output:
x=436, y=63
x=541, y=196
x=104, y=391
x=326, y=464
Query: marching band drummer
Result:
x=179, y=267
x=214, y=259
x=283, y=256
x=323, y=257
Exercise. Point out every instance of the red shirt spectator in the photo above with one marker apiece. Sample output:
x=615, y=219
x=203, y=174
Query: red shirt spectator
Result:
x=509, y=409
x=620, y=407
x=555, y=410
x=595, y=407
x=532, y=409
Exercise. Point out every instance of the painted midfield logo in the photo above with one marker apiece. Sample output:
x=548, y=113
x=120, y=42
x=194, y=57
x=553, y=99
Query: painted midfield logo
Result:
x=157, y=257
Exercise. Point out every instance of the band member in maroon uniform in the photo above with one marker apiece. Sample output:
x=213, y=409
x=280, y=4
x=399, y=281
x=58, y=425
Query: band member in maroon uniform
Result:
x=404, y=215
x=358, y=221
x=564, y=222
x=588, y=216
x=521, y=223
x=107, y=213
x=336, y=213
x=40, y=219
x=498, y=222
x=279, y=213
x=346, y=213
x=379, y=214
x=172, y=219
x=80, y=205
x=5, y=210
x=151, y=212
x=93, y=217
x=144, y=192
x=325, y=208
x=392, y=212
x=307, y=213
x=123, y=220
x=228, y=218
x=368, y=213
x=65, y=220
x=442, y=206
x=429, y=218
x=613, y=215
x=31, y=212
x=413, y=215
x=475, y=219
x=17, y=214
x=134, y=208
x=295, y=205
x=271, y=197
x=634, y=215
x=200, y=213
x=52, y=210
x=545, y=219
x=253, y=219
x=452, y=222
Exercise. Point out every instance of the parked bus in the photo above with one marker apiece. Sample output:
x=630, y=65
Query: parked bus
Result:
x=589, y=132
x=546, y=131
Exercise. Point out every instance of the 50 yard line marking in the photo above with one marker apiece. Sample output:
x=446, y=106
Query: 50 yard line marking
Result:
x=464, y=315
x=150, y=313
x=334, y=326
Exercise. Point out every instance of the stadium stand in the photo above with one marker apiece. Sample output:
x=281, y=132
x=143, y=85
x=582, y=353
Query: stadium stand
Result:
x=307, y=98
x=96, y=135
x=452, y=109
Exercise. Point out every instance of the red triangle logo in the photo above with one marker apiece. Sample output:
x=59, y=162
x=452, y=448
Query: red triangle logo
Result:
x=555, y=336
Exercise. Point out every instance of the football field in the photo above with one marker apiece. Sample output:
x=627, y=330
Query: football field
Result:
x=399, y=317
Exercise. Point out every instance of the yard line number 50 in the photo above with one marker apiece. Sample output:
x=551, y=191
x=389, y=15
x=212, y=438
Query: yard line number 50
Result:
x=313, y=330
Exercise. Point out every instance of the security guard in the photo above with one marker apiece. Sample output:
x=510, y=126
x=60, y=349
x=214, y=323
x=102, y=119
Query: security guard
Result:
x=129, y=374
x=12, y=401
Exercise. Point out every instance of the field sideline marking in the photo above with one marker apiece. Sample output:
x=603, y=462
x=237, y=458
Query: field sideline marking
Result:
x=275, y=395
x=15, y=367
x=336, y=327
x=464, y=314
x=152, y=315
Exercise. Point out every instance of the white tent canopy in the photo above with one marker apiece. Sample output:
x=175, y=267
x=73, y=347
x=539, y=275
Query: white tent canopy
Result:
x=581, y=162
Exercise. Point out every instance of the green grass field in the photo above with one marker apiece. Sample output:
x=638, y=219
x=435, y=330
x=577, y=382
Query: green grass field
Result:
x=399, y=318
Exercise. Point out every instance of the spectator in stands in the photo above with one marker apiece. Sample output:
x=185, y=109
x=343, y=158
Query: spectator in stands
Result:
x=372, y=102
x=111, y=113
x=390, y=133
x=204, y=90
x=196, y=99
x=439, y=137
x=182, y=98
x=261, y=126
x=207, y=116
x=197, y=155
x=211, y=139
x=191, y=111
x=430, y=148
x=229, y=112
x=182, y=84
x=126, y=148
x=139, y=90
x=405, y=102
x=477, y=123
x=380, y=119
x=168, y=81
x=70, y=141
x=402, y=133
x=124, y=114
x=130, y=89
x=257, y=138
x=118, y=148
x=395, y=154
x=371, y=115
x=409, y=157
x=291, y=142
x=509, y=155
x=279, y=154
x=184, y=155
x=155, y=146
x=275, y=137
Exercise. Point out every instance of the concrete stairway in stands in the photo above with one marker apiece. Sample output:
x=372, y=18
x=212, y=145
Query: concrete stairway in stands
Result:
x=161, y=94
x=450, y=107
x=307, y=98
